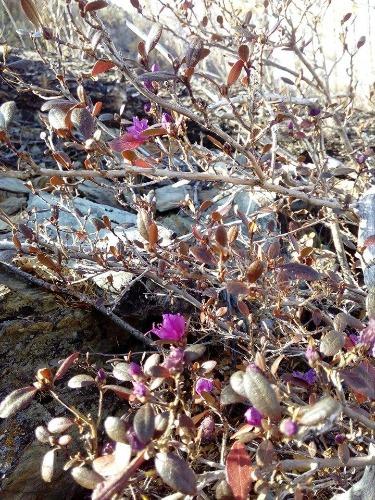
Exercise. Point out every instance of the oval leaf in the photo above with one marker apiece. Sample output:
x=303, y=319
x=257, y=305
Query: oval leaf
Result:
x=238, y=469
x=300, y=271
x=65, y=365
x=101, y=66
x=144, y=423
x=81, y=380
x=17, y=400
x=176, y=473
x=235, y=72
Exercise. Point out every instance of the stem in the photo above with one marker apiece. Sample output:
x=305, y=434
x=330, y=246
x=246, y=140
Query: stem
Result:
x=107, y=489
x=193, y=176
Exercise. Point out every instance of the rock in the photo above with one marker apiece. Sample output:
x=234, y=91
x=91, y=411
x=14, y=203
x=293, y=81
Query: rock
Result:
x=13, y=204
x=113, y=281
x=41, y=208
x=38, y=329
x=103, y=193
x=179, y=224
x=172, y=195
x=13, y=185
x=26, y=482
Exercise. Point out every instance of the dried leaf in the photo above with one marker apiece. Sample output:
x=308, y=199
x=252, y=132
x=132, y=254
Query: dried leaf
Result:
x=300, y=271
x=95, y=5
x=235, y=72
x=254, y=271
x=236, y=288
x=16, y=401
x=361, y=42
x=144, y=423
x=31, y=12
x=48, y=262
x=238, y=469
x=361, y=379
x=176, y=473
x=102, y=66
x=287, y=80
x=83, y=121
x=221, y=235
x=193, y=53
x=153, y=37
x=243, y=52
x=79, y=381
x=204, y=255
x=265, y=454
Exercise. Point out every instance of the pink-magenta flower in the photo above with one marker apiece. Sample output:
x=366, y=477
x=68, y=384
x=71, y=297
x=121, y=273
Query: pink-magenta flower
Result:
x=253, y=416
x=207, y=427
x=311, y=354
x=288, y=427
x=175, y=360
x=139, y=389
x=172, y=328
x=204, y=385
x=133, y=138
x=135, y=370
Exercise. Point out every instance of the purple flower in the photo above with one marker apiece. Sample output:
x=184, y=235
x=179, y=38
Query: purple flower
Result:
x=165, y=119
x=175, y=359
x=135, y=369
x=138, y=127
x=361, y=158
x=204, y=385
x=133, y=440
x=172, y=328
x=139, y=389
x=101, y=376
x=288, y=427
x=309, y=377
x=207, y=427
x=314, y=111
x=311, y=354
x=147, y=107
x=155, y=68
x=290, y=125
x=253, y=416
x=367, y=336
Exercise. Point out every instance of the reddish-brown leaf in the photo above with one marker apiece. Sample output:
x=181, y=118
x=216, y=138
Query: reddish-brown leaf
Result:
x=204, y=255
x=31, y=12
x=236, y=287
x=121, y=392
x=48, y=262
x=95, y=5
x=65, y=365
x=300, y=271
x=361, y=379
x=101, y=66
x=243, y=52
x=235, y=72
x=238, y=469
x=153, y=37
